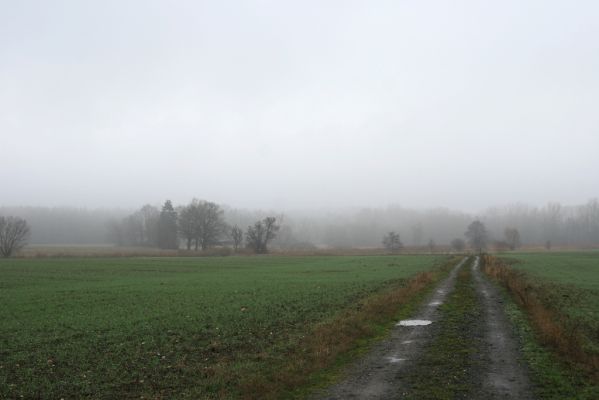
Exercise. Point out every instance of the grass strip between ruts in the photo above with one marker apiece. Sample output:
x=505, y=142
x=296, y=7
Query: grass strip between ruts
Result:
x=443, y=370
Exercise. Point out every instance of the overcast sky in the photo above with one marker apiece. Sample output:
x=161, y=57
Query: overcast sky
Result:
x=299, y=104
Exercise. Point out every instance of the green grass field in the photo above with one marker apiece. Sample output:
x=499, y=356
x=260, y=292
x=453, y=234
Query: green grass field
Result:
x=580, y=269
x=573, y=281
x=168, y=327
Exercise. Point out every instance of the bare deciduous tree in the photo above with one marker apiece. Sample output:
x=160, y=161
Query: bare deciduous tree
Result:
x=262, y=232
x=237, y=236
x=391, y=241
x=14, y=233
x=137, y=229
x=185, y=223
x=477, y=236
x=201, y=222
x=150, y=217
x=512, y=238
x=211, y=224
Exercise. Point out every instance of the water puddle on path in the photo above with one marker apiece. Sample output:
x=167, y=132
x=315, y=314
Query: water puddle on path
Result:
x=394, y=360
x=414, y=322
x=435, y=303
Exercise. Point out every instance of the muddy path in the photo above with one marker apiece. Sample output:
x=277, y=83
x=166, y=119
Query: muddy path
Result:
x=468, y=351
x=504, y=373
x=378, y=374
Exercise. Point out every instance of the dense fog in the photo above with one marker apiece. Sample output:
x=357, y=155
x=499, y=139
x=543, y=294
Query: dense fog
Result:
x=321, y=114
x=576, y=225
x=300, y=105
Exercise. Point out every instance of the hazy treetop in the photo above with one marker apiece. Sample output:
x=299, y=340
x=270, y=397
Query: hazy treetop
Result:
x=299, y=104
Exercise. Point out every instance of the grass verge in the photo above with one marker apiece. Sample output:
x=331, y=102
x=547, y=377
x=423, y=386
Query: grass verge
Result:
x=553, y=343
x=443, y=370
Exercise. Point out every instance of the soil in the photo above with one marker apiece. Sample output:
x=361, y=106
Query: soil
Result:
x=395, y=366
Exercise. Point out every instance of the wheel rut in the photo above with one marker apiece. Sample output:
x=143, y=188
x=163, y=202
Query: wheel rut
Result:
x=505, y=373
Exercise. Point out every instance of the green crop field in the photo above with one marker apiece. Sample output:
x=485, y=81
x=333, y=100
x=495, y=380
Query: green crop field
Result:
x=575, y=275
x=571, y=285
x=580, y=269
x=168, y=327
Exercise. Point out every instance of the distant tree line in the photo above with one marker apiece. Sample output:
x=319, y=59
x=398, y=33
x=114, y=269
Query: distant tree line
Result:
x=477, y=238
x=67, y=225
x=551, y=225
x=198, y=225
x=476, y=234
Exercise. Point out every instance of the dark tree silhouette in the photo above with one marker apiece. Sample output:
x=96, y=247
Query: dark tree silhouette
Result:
x=237, y=236
x=186, y=223
x=391, y=241
x=477, y=236
x=262, y=232
x=14, y=233
x=167, y=227
x=211, y=224
x=202, y=223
